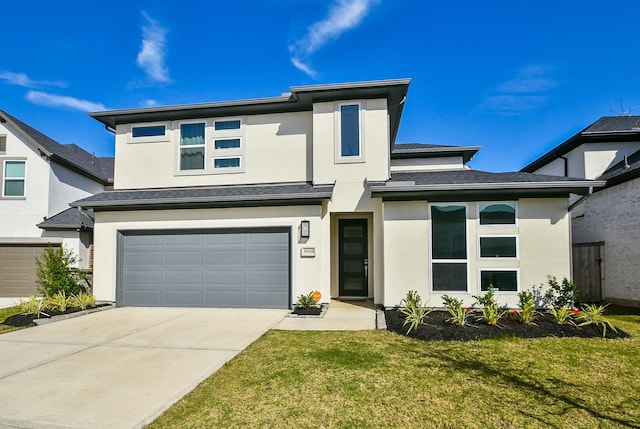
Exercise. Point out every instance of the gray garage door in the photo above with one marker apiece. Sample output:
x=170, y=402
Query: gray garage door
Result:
x=18, y=269
x=229, y=268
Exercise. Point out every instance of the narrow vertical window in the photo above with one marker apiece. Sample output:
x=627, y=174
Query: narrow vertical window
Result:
x=3, y=144
x=449, y=248
x=14, y=174
x=192, y=146
x=350, y=130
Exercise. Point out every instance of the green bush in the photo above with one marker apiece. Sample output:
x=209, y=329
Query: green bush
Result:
x=413, y=310
x=83, y=300
x=56, y=273
x=490, y=311
x=458, y=314
x=34, y=305
x=306, y=301
x=561, y=295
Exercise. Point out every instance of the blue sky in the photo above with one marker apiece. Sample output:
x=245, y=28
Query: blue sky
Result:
x=515, y=77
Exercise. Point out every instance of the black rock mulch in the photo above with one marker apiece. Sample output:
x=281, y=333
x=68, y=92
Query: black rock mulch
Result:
x=437, y=328
x=23, y=320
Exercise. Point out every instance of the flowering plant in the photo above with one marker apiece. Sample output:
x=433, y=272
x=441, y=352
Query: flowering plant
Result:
x=458, y=314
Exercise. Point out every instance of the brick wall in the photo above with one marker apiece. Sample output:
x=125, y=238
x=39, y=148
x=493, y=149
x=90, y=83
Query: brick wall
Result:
x=613, y=216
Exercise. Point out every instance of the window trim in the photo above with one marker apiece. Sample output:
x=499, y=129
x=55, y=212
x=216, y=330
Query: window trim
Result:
x=149, y=139
x=226, y=169
x=500, y=292
x=231, y=130
x=339, y=159
x=3, y=179
x=236, y=152
x=497, y=225
x=494, y=258
x=466, y=261
x=204, y=145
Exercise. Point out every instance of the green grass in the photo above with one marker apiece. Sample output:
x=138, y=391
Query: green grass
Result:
x=8, y=312
x=379, y=379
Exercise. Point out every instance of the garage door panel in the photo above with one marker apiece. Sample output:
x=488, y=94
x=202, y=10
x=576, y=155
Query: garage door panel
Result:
x=206, y=268
x=225, y=258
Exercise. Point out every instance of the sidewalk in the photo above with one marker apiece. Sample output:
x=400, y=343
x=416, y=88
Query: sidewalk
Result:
x=340, y=316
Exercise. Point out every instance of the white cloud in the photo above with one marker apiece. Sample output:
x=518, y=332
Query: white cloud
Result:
x=343, y=15
x=21, y=79
x=52, y=100
x=153, y=50
x=149, y=103
x=528, y=90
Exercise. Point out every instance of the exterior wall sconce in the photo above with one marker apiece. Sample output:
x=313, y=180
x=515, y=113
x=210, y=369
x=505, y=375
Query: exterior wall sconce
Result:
x=305, y=229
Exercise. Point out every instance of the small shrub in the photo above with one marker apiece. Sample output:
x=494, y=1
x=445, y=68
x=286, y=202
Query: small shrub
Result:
x=83, y=300
x=563, y=314
x=458, y=314
x=490, y=311
x=34, y=305
x=413, y=310
x=527, y=313
x=592, y=314
x=306, y=301
x=59, y=301
x=55, y=272
x=561, y=295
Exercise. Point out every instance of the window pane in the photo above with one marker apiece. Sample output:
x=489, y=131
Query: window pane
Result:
x=14, y=169
x=497, y=247
x=227, y=144
x=349, y=131
x=498, y=214
x=227, y=125
x=152, y=130
x=191, y=134
x=449, y=277
x=14, y=188
x=449, y=232
x=192, y=158
x=226, y=162
x=501, y=280
x=3, y=143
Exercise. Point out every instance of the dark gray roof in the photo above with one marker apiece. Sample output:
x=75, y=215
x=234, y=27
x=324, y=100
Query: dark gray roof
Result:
x=71, y=218
x=300, y=98
x=69, y=155
x=423, y=150
x=467, y=184
x=608, y=129
x=623, y=171
x=217, y=196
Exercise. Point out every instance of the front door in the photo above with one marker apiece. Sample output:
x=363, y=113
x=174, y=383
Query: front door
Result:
x=354, y=258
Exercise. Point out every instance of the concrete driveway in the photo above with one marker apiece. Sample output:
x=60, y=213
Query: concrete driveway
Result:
x=118, y=368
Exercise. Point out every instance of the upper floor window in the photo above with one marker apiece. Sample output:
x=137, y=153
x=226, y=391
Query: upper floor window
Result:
x=192, y=146
x=3, y=144
x=497, y=213
x=233, y=124
x=14, y=175
x=350, y=130
x=148, y=131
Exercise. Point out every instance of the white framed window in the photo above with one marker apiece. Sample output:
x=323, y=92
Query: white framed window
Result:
x=449, y=249
x=3, y=144
x=192, y=146
x=227, y=150
x=498, y=213
x=499, y=279
x=349, y=145
x=498, y=247
x=14, y=176
x=149, y=132
x=228, y=162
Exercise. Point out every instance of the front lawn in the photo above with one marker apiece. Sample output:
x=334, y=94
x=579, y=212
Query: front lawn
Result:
x=380, y=379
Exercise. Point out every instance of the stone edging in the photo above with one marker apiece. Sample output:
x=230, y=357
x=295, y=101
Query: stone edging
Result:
x=48, y=320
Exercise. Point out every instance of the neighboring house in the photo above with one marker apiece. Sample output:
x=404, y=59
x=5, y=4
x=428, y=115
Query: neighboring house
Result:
x=252, y=203
x=606, y=225
x=39, y=177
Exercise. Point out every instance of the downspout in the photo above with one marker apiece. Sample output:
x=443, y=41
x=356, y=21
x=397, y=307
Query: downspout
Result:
x=581, y=199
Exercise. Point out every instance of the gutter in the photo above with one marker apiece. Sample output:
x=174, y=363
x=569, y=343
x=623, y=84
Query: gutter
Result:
x=581, y=199
x=407, y=187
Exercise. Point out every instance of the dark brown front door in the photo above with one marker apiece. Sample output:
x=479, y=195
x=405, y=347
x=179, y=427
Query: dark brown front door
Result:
x=354, y=257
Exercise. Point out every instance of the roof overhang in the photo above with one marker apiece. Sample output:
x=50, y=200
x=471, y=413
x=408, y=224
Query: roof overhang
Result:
x=482, y=191
x=466, y=152
x=301, y=98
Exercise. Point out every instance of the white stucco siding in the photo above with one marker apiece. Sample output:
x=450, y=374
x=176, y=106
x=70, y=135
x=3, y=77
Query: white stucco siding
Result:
x=307, y=274
x=554, y=168
x=66, y=186
x=542, y=232
x=373, y=164
x=75, y=242
x=611, y=215
x=20, y=215
x=275, y=148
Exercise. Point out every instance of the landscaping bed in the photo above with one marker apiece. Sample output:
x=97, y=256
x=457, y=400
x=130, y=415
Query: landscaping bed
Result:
x=436, y=327
x=26, y=320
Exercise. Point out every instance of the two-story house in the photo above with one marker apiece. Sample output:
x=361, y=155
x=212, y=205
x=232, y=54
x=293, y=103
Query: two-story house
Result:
x=39, y=177
x=251, y=203
x=605, y=225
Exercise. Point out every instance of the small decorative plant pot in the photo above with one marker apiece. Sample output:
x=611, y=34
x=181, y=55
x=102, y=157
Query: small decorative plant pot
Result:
x=309, y=311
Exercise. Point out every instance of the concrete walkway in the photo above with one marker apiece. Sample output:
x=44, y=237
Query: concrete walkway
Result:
x=118, y=368
x=340, y=316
